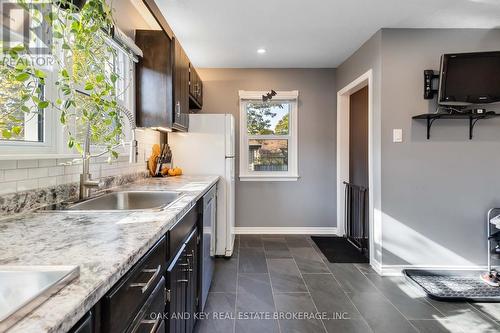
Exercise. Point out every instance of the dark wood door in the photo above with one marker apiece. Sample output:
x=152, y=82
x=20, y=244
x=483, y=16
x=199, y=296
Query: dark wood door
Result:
x=358, y=138
x=154, y=79
x=358, y=166
x=181, y=88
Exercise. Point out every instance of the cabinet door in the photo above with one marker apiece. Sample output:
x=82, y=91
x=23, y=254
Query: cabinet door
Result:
x=195, y=89
x=192, y=284
x=84, y=325
x=176, y=289
x=181, y=89
x=154, y=79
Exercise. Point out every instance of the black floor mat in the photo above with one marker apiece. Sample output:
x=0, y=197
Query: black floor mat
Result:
x=455, y=286
x=339, y=250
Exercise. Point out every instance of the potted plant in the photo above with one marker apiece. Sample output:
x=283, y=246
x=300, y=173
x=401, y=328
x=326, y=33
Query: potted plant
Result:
x=85, y=76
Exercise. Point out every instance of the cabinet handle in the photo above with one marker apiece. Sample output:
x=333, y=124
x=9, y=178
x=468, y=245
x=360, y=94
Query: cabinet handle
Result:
x=183, y=281
x=178, y=109
x=145, y=286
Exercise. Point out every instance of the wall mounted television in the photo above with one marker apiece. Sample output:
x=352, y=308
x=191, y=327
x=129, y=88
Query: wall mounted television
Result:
x=469, y=78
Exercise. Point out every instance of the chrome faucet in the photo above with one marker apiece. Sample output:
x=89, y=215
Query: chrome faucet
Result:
x=86, y=181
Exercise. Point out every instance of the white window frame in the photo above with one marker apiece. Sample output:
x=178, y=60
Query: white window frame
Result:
x=55, y=137
x=293, y=173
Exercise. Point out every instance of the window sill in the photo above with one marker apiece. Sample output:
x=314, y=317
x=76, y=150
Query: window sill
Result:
x=15, y=157
x=269, y=178
x=11, y=157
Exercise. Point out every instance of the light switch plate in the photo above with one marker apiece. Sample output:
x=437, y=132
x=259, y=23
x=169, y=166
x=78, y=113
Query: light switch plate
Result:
x=397, y=135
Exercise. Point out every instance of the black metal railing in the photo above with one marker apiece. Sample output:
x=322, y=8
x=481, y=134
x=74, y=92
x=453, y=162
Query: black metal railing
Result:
x=356, y=218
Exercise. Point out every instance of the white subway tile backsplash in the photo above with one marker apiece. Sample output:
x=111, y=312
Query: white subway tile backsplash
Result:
x=63, y=161
x=47, y=163
x=56, y=171
x=8, y=164
x=22, y=164
x=16, y=174
x=25, y=175
x=8, y=187
x=25, y=185
x=64, y=179
x=38, y=172
x=72, y=169
x=47, y=182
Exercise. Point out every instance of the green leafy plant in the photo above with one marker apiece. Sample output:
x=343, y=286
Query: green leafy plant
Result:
x=85, y=74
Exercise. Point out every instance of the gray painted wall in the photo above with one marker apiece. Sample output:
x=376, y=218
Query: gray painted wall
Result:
x=434, y=194
x=310, y=201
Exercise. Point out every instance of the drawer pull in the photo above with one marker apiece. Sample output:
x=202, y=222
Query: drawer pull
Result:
x=145, y=286
x=183, y=281
x=156, y=324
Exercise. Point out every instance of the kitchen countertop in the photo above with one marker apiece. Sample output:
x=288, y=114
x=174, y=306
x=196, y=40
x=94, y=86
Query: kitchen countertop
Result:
x=104, y=245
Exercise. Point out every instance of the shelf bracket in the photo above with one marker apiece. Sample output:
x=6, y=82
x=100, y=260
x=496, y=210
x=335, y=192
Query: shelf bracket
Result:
x=430, y=121
x=472, y=123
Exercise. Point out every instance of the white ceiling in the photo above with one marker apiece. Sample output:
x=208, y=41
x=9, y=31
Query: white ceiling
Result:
x=306, y=33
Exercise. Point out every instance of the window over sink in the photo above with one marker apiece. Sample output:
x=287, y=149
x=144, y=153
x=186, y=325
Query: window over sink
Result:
x=39, y=132
x=268, y=136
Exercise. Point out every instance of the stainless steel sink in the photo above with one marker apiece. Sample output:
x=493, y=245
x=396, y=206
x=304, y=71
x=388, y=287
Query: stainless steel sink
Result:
x=128, y=201
x=23, y=288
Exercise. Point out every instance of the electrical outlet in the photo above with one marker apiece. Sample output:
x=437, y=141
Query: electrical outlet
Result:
x=397, y=135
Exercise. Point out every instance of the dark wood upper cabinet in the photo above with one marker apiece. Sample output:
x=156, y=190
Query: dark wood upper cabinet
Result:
x=167, y=85
x=154, y=79
x=195, y=90
x=181, y=88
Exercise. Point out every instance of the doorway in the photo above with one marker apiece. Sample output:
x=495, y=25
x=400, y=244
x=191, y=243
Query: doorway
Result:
x=361, y=91
x=356, y=189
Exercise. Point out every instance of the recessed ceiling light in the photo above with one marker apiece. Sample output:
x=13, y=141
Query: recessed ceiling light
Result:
x=261, y=51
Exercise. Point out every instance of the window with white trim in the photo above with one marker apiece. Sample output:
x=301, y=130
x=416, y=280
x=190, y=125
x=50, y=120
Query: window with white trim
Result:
x=41, y=132
x=268, y=136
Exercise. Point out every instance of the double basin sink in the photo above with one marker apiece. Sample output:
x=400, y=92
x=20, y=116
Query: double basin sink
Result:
x=24, y=288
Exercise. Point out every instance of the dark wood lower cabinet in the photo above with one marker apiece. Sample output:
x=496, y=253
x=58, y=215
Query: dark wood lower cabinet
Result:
x=150, y=317
x=126, y=298
x=85, y=325
x=160, y=294
x=182, y=287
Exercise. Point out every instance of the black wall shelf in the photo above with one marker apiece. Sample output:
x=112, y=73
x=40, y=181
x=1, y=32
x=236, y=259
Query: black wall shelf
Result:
x=473, y=119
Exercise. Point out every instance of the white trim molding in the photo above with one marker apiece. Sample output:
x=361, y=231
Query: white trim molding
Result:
x=280, y=95
x=292, y=174
x=259, y=178
x=285, y=230
x=375, y=227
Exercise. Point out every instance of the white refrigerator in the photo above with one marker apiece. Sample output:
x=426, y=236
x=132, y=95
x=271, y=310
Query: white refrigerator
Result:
x=208, y=149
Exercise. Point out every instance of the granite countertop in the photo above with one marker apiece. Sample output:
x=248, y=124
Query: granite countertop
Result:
x=104, y=245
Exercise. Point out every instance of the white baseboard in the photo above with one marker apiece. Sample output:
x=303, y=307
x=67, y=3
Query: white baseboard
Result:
x=376, y=266
x=285, y=230
x=396, y=270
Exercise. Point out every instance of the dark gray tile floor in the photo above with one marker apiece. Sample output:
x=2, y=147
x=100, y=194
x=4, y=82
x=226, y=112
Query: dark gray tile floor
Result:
x=282, y=283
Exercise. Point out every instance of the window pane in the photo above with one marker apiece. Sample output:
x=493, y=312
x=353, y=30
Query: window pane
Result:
x=268, y=155
x=17, y=124
x=269, y=118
